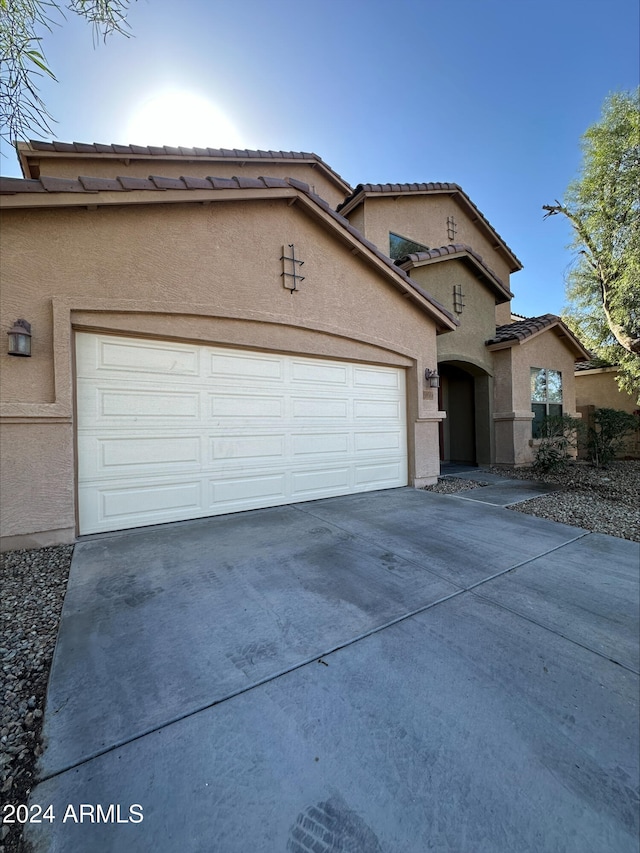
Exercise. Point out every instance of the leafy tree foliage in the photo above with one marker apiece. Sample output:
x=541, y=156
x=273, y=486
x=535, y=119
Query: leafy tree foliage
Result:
x=603, y=207
x=607, y=433
x=22, y=59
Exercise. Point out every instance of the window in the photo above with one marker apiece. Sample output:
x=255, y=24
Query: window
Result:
x=546, y=396
x=400, y=247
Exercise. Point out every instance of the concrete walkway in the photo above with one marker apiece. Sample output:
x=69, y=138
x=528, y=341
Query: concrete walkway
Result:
x=500, y=491
x=391, y=671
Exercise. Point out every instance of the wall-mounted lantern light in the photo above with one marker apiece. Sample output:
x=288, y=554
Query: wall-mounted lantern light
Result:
x=432, y=378
x=20, y=338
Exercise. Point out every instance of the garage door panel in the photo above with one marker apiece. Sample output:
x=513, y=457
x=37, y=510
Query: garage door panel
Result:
x=169, y=431
x=148, y=404
x=134, y=505
x=375, y=378
x=107, y=459
x=378, y=410
x=160, y=452
x=320, y=408
x=99, y=355
x=375, y=474
x=101, y=406
x=245, y=368
x=325, y=374
x=246, y=406
x=309, y=483
x=236, y=490
x=365, y=442
x=246, y=447
x=317, y=444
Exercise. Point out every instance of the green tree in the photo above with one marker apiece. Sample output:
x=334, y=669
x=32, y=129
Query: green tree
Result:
x=22, y=60
x=603, y=207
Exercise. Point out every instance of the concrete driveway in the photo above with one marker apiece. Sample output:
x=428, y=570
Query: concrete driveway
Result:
x=392, y=671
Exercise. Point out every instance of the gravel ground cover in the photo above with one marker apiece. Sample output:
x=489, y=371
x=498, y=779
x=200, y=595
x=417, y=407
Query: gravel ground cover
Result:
x=453, y=485
x=33, y=585
x=603, y=500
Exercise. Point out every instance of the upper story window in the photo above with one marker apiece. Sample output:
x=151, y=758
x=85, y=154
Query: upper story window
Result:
x=546, y=396
x=400, y=246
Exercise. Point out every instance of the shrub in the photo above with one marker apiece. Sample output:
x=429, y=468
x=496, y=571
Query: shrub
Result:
x=558, y=437
x=607, y=433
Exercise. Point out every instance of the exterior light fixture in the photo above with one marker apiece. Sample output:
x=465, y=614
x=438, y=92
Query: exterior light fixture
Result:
x=20, y=338
x=432, y=378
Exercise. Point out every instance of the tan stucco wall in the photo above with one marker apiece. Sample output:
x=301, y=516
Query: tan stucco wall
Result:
x=424, y=218
x=193, y=272
x=37, y=467
x=102, y=167
x=477, y=320
x=512, y=393
x=599, y=388
x=503, y=314
x=544, y=350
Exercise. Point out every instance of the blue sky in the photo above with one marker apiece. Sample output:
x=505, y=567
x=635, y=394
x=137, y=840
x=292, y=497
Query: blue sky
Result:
x=491, y=94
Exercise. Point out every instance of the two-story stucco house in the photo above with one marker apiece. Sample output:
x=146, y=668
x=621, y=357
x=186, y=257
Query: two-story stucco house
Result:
x=219, y=330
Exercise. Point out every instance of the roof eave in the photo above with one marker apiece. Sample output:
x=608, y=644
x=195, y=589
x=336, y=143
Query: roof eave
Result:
x=501, y=292
x=27, y=154
x=560, y=331
x=463, y=199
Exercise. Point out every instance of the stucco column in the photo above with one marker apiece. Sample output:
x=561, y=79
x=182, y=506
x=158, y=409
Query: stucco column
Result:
x=512, y=438
x=427, y=450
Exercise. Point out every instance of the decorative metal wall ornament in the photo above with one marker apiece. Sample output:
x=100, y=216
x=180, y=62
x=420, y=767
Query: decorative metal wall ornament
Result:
x=452, y=228
x=290, y=267
x=458, y=298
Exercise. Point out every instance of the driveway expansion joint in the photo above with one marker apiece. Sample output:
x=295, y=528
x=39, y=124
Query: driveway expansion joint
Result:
x=317, y=657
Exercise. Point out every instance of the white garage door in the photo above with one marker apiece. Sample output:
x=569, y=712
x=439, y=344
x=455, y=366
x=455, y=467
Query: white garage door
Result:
x=170, y=431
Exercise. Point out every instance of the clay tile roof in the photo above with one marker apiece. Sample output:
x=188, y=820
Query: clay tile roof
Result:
x=593, y=364
x=168, y=183
x=528, y=326
x=455, y=249
x=129, y=183
x=274, y=182
x=223, y=183
x=431, y=187
x=299, y=185
x=61, y=185
x=172, y=151
x=10, y=186
x=523, y=329
x=41, y=146
x=249, y=183
x=196, y=183
x=83, y=147
x=98, y=184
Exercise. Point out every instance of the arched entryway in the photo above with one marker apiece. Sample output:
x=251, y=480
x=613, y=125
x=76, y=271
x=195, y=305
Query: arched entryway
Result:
x=465, y=395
